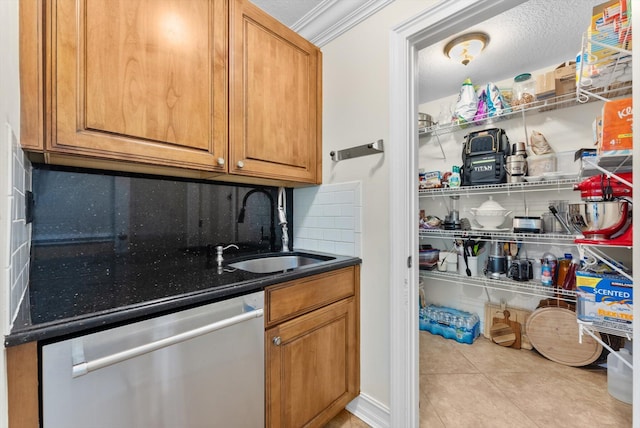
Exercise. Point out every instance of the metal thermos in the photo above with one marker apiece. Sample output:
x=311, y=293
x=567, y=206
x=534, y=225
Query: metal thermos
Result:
x=519, y=149
x=516, y=168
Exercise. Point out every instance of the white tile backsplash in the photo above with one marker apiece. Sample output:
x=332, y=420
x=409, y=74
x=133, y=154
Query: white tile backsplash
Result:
x=16, y=262
x=327, y=218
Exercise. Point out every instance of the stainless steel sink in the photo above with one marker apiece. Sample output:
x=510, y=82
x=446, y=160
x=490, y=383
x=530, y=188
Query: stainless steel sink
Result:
x=277, y=263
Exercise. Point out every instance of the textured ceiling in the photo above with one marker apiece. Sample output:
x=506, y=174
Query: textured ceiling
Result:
x=534, y=35
x=531, y=36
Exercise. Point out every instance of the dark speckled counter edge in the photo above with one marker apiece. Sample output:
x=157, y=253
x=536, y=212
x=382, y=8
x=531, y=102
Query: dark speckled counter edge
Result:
x=99, y=321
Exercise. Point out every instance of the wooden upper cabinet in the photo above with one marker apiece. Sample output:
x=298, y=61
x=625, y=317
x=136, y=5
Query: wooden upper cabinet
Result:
x=206, y=88
x=140, y=80
x=275, y=99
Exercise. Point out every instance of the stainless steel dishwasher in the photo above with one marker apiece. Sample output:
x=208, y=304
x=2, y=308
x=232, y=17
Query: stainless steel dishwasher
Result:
x=202, y=367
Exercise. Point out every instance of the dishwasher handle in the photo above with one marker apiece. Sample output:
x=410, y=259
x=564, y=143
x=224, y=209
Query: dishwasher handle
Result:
x=82, y=367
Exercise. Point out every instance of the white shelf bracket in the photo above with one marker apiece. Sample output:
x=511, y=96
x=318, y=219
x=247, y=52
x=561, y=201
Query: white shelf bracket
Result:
x=585, y=329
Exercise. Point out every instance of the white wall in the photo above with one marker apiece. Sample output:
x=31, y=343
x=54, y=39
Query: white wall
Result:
x=356, y=112
x=9, y=117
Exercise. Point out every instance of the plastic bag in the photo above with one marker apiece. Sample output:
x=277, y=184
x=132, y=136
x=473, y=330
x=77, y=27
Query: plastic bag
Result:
x=539, y=144
x=481, y=112
x=496, y=105
x=467, y=103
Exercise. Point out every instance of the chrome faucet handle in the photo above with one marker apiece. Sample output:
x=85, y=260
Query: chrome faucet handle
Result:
x=220, y=249
x=285, y=239
x=282, y=217
x=282, y=206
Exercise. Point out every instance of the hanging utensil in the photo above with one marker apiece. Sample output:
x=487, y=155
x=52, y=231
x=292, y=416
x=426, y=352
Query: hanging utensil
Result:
x=466, y=261
x=558, y=217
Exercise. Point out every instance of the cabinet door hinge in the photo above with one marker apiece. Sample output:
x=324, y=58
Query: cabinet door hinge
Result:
x=409, y=262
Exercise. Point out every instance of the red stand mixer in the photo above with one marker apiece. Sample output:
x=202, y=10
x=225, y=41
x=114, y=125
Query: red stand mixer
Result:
x=604, y=217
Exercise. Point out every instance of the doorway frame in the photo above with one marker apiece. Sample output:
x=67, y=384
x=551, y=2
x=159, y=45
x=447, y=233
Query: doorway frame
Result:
x=436, y=23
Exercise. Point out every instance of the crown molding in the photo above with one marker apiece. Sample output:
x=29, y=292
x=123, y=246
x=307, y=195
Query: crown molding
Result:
x=331, y=18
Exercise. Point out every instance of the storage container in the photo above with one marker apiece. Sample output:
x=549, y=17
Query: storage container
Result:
x=620, y=376
x=428, y=258
x=538, y=165
x=567, y=165
x=450, y=259
x=524, y=90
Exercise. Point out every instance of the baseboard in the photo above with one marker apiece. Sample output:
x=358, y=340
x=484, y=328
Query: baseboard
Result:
x=370, y=410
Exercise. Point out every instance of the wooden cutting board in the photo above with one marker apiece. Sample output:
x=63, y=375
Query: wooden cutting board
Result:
x=515, y=326
x=506, y=332
x=553, y=331
x=495, y=312
x=502, y=333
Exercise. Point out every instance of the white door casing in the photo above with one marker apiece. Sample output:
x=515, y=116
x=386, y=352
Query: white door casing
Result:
x=434, y=24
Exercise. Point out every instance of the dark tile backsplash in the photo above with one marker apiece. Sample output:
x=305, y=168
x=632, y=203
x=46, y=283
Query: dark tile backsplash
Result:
x=137, y=216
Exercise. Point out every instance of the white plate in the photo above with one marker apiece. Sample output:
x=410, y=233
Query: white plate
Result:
x=533, y=178
x=559, y=175
x=490, y=229
x=553, y=175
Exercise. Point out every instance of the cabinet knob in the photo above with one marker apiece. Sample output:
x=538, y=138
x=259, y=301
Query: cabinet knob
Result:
x=220, y=161
x=240, y=164
x=276, y=341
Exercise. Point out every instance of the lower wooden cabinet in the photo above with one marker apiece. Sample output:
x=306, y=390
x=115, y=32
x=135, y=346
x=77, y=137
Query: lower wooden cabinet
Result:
x=23, y=386
x=313, y=359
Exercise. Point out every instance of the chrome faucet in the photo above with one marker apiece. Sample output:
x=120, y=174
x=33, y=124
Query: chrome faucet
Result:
x=272, y=227
x=282, y=217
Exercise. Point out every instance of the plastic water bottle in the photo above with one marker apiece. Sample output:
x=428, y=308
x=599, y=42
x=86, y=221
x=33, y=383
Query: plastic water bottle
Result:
x=454, y=178
x=552, y=261
x=545, y=273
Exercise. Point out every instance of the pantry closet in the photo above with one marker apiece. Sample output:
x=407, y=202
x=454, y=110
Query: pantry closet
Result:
x=568, y=127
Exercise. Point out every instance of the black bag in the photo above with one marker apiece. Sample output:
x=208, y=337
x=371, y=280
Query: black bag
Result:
x=484, y=156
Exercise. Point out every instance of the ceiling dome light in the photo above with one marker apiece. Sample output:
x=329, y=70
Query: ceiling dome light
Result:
x=466, y=47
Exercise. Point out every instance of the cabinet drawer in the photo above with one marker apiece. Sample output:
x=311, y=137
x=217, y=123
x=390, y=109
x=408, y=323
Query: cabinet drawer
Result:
x=285, y=301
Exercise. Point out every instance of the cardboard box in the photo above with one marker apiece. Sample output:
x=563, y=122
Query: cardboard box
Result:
x=545, y=85
x=565, y=78
x=625, y=37
x=605, y=300
x=610, y=26
x=617, y=133
x=597, y=131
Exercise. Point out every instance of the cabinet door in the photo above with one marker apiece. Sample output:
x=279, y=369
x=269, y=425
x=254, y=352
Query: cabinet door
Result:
x=312, y=366
x=140, y=80
x=275, y=99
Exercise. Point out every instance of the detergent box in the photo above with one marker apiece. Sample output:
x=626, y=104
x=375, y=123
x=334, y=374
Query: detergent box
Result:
x=606, y=300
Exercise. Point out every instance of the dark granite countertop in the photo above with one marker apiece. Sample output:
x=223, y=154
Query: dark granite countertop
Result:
x=86, y=292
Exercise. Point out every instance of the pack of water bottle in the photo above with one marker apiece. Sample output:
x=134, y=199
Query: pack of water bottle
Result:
x=450, y=323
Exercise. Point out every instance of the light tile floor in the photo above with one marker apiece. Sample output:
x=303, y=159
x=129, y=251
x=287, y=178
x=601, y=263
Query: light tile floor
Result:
x=486, y=385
